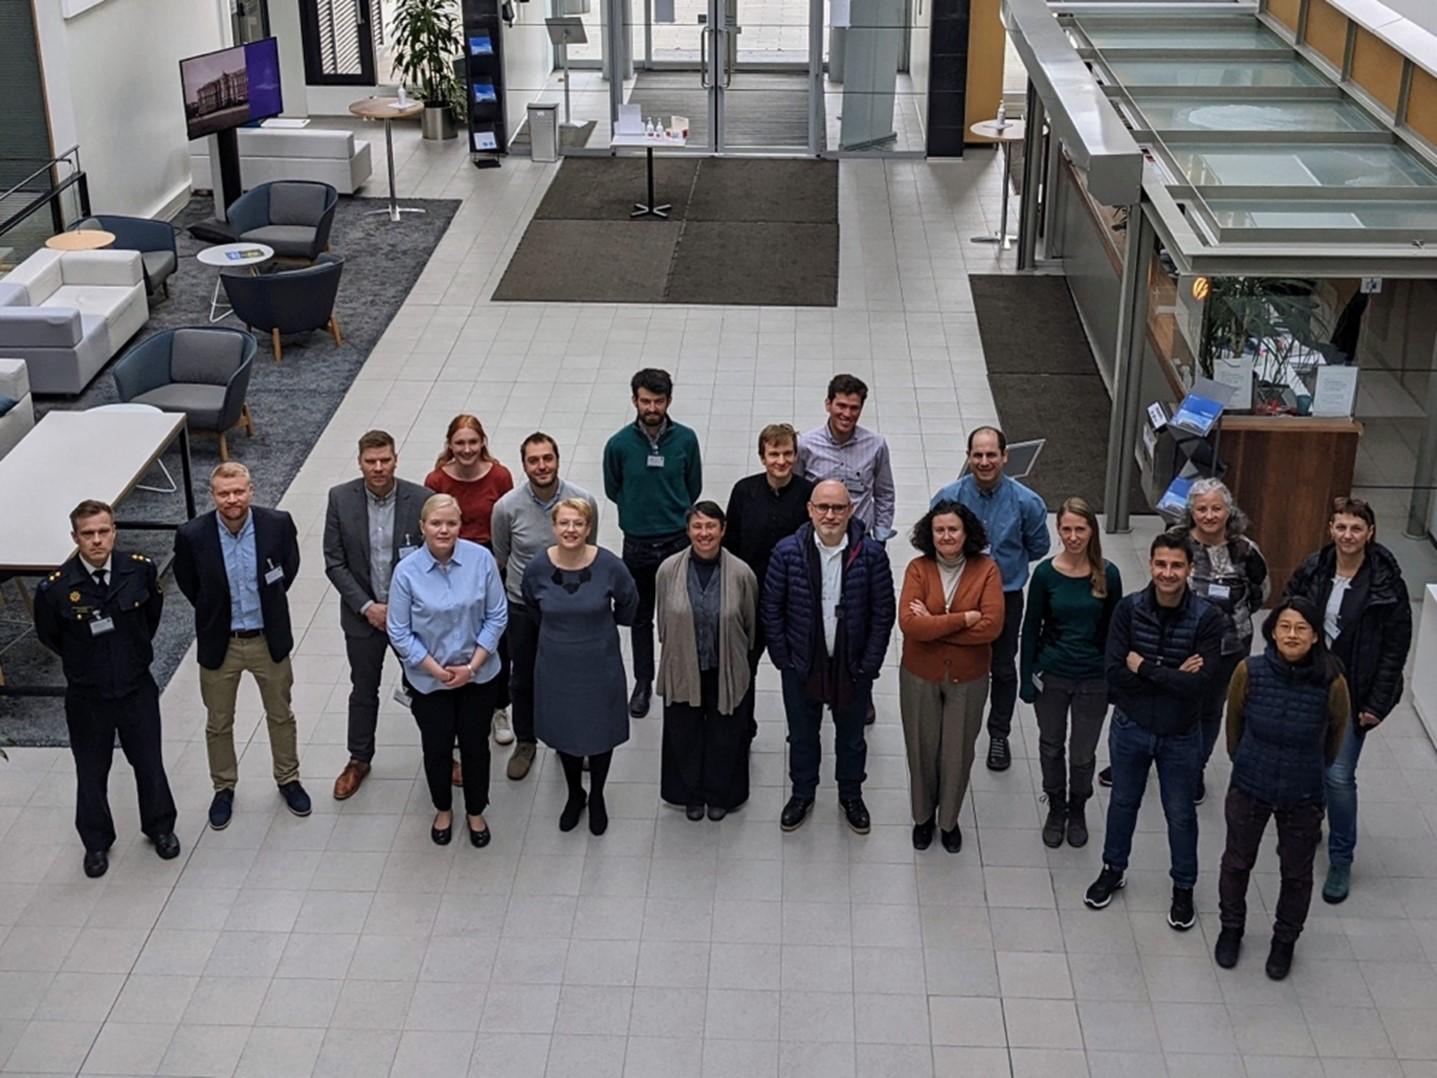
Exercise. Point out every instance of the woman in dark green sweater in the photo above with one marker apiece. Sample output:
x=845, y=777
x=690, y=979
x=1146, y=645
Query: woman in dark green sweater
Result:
x=1065, y=630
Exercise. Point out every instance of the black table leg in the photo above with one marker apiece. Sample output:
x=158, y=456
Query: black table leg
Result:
x=648, y=209
x=188, y=480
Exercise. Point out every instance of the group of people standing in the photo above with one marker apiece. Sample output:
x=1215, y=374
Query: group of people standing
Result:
x=504, y=614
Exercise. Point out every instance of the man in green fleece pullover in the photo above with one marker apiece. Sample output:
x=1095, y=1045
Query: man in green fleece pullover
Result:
x=653, y=473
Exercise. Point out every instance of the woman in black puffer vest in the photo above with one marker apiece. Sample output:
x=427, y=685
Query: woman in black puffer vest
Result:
x=1287, y=710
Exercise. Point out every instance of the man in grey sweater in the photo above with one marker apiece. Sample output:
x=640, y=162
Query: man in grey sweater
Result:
x=521, y=528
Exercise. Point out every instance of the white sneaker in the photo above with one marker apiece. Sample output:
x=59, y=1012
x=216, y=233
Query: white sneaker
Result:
x=503, y=728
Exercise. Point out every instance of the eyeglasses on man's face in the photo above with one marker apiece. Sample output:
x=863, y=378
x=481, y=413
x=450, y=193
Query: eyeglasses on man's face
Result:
x=831, y=509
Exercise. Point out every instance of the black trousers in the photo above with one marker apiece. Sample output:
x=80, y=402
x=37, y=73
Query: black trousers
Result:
x=642, y=557
x=443, y=716
x=1215, y=703
x=366, y=670
x=705, y=753
x=805, y=752
x=93, y=724
x=1299, y=829
x=1004, y=667
x=523, y=637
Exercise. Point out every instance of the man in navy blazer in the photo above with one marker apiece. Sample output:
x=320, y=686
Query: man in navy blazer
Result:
x=235, y=565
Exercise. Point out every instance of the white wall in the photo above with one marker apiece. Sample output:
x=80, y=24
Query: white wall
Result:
x=284, y=26
x=113, y=84
x=528, y=60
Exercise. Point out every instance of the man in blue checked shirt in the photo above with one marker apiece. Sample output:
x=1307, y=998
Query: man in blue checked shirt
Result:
x=1017, y=524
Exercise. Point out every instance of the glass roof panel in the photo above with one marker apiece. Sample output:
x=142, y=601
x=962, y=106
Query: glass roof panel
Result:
x=1124, y=35
x=1313, y=165
x=1239, y=114
x=1236, y=73
x=1321, y=214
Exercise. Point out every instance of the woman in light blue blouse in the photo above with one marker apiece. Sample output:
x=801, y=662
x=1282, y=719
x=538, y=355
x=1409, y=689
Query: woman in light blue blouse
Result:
x=447, y=612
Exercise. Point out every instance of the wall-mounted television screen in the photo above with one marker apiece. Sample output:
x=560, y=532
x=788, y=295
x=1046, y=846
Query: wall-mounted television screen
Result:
x=231, y=87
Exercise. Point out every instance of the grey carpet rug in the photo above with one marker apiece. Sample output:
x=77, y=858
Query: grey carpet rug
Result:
x=291, y=402
x=761, y=109
x=1046, y=384
x=742, y=231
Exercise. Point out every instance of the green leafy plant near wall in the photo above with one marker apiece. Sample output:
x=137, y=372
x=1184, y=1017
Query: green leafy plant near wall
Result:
x=426, y=41
x=1268, y=315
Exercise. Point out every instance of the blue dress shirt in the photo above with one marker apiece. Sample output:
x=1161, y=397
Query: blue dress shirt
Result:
x=1016, y=521
x=446, y=610
x=243, y=572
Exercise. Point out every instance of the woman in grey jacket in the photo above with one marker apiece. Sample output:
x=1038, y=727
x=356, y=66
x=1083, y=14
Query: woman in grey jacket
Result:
x=706, y=607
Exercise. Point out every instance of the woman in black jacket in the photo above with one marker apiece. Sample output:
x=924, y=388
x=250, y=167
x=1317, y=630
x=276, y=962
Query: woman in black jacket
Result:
x=1356, y=584
x=1287, y=711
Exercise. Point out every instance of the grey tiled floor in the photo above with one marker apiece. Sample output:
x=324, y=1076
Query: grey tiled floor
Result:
x=347, y=944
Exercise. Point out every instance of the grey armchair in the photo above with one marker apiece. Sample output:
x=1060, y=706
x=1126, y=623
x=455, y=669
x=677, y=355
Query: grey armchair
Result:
x=155, y=240
x=202, y=372
x=288, y=301
x=292, y=216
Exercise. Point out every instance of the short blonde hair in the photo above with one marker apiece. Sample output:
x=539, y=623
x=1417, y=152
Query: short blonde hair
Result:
x=578, y=505
x=436, y=502
x=231, y=469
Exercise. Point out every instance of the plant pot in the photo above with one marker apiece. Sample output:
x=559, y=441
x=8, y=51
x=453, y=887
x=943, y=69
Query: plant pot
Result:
x=438, y=121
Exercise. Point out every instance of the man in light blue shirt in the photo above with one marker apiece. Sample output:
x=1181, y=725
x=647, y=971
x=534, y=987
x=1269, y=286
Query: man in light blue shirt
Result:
x=241, y=569
x=1017, y=524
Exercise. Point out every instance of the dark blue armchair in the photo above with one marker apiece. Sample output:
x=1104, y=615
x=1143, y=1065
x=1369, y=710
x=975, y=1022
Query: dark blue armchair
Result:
x=292, y=216
x=200, y=371
x=288, y=301
x=155, y=240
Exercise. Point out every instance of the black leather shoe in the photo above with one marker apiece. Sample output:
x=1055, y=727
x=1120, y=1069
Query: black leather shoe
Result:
x=1229, y=946
x=221, y=809
x=440, y=836
x=856, y=813
x=795, y=812
x=295, y=799
x=639, y=699
x=598, y=815
x=999, y=758
x=479, y=839
x=716, y=813
x=573, y=808
x=167, y=846
x=1279, y=959
x=97, y=863
x=923, y=834
x=694, y=812
x=953, y=840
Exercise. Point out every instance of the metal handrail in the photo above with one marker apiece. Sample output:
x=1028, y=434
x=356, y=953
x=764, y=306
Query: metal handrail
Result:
x=49, y=163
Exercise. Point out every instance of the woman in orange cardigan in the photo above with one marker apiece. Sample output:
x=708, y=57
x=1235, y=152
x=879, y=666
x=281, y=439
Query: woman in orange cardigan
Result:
x=950, y=612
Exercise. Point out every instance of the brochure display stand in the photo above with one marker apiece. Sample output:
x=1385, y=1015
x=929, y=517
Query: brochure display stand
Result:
x=484, y=76
x=1197, y=418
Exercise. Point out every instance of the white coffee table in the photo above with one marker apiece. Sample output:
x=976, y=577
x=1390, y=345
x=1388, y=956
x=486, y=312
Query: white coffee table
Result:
x=250, y=256
x=135, y=407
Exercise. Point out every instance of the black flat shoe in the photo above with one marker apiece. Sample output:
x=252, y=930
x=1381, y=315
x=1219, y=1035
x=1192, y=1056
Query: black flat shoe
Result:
x=598, y=815
x=167, y=846
x=923, y=834
x=440, y=836
x=573, y=809
x=694, y=812
x=479, y=839
x=639, y=700
x=953, y=840
x=97, y=863
x=716, y=813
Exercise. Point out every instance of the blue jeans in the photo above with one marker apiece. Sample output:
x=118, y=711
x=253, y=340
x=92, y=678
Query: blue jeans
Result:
x=805, y=716
x=1342, y=797
x=1133, y=750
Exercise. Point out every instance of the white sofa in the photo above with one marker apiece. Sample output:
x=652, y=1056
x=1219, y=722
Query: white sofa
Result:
x=19, y=420
x=290, y=153
x=66, y=314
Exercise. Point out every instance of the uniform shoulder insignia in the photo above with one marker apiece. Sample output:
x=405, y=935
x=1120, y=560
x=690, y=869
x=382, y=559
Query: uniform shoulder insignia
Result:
x=139, y=557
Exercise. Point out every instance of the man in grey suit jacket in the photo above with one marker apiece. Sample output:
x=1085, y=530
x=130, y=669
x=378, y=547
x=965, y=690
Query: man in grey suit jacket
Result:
x=370, y=525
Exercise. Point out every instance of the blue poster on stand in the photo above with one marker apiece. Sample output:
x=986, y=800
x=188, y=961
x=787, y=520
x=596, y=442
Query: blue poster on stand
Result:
x=481, y=45
x=1174, y=501
x=484, y=92
x=1196, y=415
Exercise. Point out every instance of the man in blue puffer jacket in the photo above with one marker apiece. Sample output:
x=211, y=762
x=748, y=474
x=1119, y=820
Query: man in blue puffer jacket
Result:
x=1164, y=643
x=828, y=610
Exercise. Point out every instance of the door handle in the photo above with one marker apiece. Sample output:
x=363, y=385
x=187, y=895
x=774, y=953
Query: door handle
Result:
x=704, y=59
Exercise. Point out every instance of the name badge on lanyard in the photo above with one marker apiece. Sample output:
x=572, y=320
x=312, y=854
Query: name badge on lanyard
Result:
x=1221, y=592
x=101, y=626
x=274, y=575
x=655, y=460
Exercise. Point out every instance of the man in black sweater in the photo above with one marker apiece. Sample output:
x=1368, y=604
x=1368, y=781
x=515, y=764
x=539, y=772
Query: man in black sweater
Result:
x=1163, y=647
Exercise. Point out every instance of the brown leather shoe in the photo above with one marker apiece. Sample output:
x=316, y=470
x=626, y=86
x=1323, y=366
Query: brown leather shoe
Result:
x=349, y=779
x=456, y=775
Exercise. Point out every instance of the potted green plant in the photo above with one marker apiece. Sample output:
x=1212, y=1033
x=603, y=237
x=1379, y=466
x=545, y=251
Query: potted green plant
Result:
x=426, y=41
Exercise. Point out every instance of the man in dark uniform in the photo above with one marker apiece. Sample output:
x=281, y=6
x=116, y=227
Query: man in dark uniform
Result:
x=99, y=613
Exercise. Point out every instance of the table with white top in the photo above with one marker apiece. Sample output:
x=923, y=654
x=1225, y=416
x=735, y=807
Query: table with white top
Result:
x=389, y=109
x=71, y=456
x=1006, y=132
x=648, y=142
x=223, y=256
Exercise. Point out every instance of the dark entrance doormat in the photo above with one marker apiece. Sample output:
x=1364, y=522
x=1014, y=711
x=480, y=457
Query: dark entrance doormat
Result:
x=742, y=232
x=291, y=401
x=1046, y=384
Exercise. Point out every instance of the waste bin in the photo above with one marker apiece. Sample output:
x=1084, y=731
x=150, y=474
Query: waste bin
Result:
x=544, y=132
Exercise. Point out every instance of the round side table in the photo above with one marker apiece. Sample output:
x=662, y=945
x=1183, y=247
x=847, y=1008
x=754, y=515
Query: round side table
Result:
x=223, y=256
x=1006, y=132
x=81, y=239
x=389, y=109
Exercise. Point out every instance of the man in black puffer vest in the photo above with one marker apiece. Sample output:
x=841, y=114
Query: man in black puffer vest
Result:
x=1163, y=647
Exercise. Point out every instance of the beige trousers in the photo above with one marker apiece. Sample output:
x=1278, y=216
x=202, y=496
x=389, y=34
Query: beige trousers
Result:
x=941, y=721
x=218, y=690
